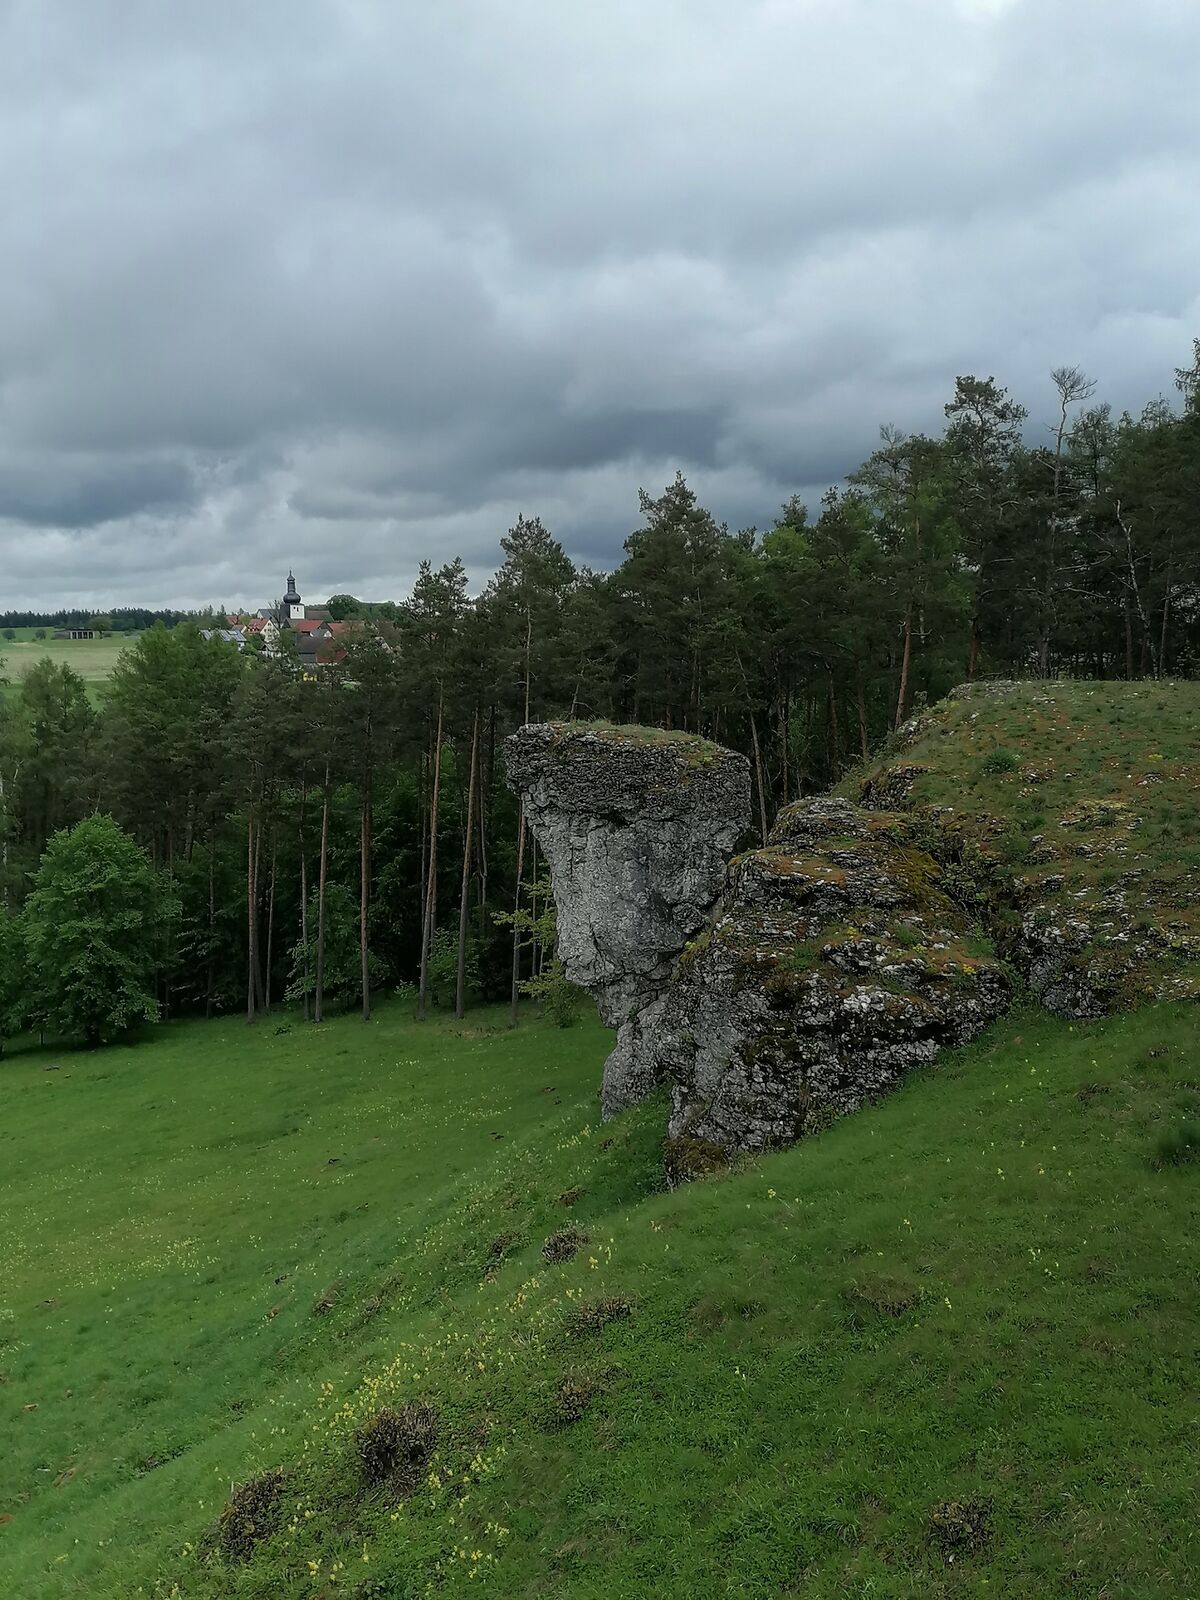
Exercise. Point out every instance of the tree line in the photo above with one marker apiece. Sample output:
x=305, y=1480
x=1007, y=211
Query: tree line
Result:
x=314, y=840
x=120, y=619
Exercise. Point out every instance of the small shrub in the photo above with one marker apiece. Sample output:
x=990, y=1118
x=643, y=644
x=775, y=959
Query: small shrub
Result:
x=570, y=1197
x=564, y=1244
x=395, y=1446
x=594, y=1315
x=571, y=1400
x=1180, y=1147
x=997, y=762
x=250, y=1515
x=502, y=1245
x=960, y=1527
x=559, y=997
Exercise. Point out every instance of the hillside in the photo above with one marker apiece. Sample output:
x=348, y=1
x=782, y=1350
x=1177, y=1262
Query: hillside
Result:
x=388, y=1311
x=1073, y=808
x=227, y=1249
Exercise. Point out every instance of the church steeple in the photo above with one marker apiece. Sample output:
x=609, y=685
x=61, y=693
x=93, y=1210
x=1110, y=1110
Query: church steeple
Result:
x=291, y=598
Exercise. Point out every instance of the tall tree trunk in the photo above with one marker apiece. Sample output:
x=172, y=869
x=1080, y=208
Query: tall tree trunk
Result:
x=758, y=773
x=861, y=706
x=258, y=981
x=212, y=922
x=515, y=999
x=431, y=877
x=319, y=990
x=460, y=987
x=534, y=952
x=905, y=660
x=1166, y=607
x=270, y=920
x=482, y=874
x=304, y=898
x=364, y=892
x=785, y=721
x=251, y=951
x=833, y=729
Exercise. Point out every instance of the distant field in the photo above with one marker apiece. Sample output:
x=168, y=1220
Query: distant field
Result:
x=92, y=659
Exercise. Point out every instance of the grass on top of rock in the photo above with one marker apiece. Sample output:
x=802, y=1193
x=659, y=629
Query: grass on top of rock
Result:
x=1082, y=796
x=692, y=748
x=946, y=1349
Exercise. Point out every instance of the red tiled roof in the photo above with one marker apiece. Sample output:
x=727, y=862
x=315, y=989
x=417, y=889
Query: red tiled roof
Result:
x=255, y=625
x=307, y=625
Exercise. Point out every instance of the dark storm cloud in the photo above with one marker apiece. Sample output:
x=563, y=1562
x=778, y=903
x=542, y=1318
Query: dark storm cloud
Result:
x=343, y=285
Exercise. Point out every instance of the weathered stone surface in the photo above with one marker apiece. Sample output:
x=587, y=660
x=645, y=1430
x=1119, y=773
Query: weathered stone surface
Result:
x=836, y=964
x=637, y=826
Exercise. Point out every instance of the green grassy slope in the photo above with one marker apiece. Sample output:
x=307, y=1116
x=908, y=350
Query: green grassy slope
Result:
x=226, y=1249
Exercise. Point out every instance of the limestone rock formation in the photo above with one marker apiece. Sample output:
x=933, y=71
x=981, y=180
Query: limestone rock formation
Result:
x=836, y=964
x=637, y=826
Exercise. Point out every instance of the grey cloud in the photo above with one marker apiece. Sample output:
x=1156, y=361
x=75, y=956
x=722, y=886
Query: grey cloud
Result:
x=342, y=283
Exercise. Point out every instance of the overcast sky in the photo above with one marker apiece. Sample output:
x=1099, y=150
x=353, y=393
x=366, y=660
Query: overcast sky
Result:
x=338, y=284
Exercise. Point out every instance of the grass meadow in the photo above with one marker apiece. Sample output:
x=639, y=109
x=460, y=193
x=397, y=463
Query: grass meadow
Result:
x=92, y=659
x=945, y=1349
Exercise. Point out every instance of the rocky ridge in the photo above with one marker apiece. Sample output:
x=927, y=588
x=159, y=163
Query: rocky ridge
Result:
x=1047, y=822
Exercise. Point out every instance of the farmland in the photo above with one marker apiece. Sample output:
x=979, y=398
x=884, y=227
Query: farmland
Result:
x=92, y=659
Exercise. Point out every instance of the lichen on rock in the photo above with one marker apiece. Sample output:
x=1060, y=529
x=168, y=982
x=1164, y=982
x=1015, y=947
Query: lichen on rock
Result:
x=637, y=825
x=836, y=964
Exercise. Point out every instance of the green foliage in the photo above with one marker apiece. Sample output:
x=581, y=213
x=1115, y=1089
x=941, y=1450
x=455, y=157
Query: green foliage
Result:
x=14, y=978
x=443, y=967
x=343, y=952
x=535, y=919
x=559, y=998
x=997, y=762
x=94, y=928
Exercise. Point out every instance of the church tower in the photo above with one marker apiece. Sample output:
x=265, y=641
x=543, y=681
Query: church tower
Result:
x=293, y=610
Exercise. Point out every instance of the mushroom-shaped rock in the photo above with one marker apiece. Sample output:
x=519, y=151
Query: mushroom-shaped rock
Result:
x=837, y=963
x=637, y=825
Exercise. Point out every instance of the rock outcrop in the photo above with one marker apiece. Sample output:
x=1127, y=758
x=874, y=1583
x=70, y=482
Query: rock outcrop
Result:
x=837, y=963
x=637, y=826
x=1071, y=805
